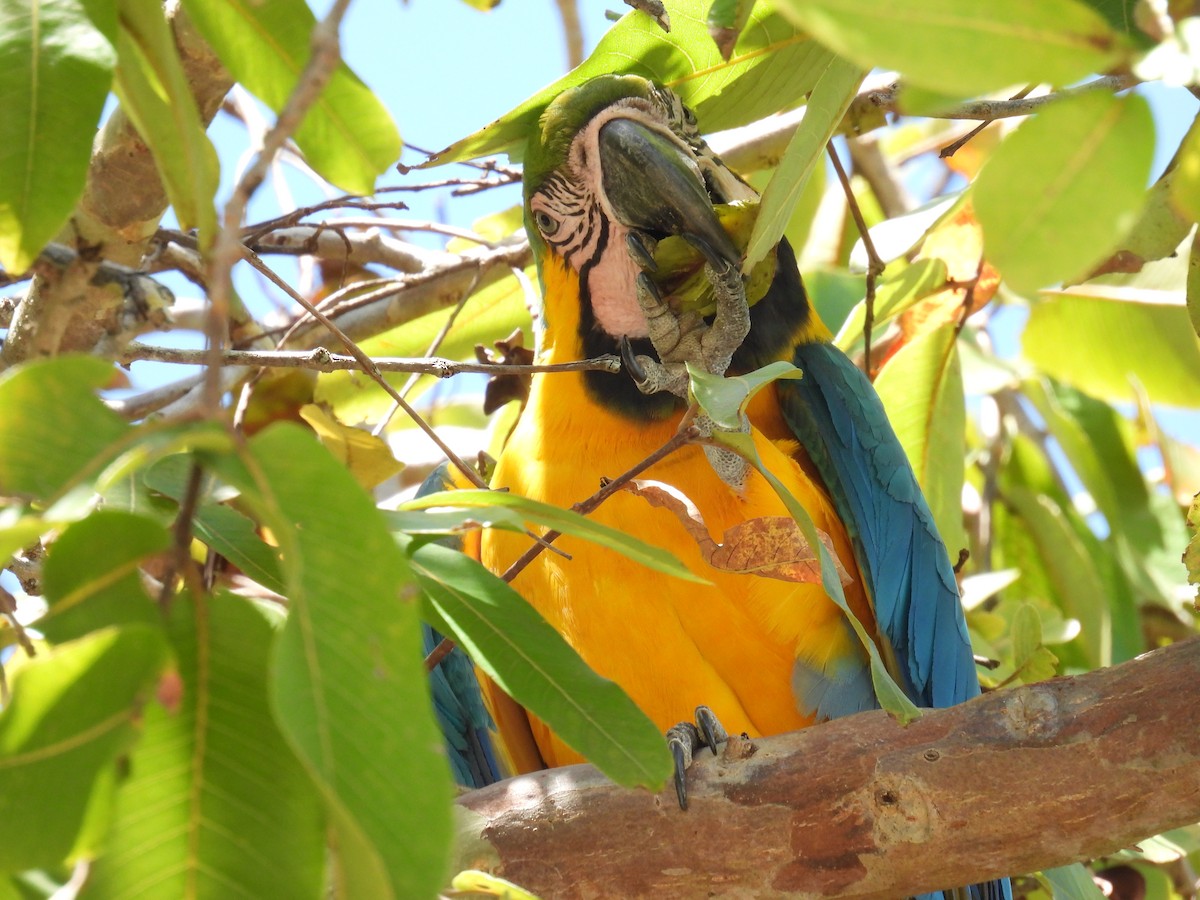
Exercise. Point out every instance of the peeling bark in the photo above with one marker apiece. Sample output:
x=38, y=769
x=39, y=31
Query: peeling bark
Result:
x=1015, y=781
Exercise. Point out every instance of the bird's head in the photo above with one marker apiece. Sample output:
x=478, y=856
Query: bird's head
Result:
x=615, y=156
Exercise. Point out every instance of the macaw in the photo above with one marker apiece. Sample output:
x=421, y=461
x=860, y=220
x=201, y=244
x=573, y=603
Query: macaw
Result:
x=616, y=170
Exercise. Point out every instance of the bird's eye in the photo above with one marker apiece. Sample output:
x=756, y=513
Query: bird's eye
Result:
x=546, y=223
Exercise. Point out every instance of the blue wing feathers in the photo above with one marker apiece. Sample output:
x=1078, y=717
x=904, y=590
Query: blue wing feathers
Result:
x=839, y=419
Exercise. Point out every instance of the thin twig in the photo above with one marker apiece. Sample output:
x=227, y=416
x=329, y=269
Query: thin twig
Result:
x=875, y=265
x=8, y=609
x=321, y=360
x=686, y=434
x=180, y=553
x=989, y=110
x=954, y=146
x=368, y=366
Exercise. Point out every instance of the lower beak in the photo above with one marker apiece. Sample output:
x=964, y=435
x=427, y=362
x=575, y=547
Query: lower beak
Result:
x=652, y=186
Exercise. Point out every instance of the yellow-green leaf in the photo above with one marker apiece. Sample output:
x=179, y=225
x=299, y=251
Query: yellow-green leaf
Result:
x=1059, y=194
x=966, y=48
x=56, y=65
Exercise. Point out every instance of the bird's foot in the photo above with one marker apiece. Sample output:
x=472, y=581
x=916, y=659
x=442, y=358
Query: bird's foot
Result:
x=686, y=738
x=682, y=337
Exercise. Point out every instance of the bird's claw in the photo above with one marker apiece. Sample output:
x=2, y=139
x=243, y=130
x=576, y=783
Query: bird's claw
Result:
x=686, y=738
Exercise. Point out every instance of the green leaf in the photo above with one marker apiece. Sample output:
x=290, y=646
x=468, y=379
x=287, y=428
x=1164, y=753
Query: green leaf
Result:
x=216, y=803
x=1069, y=567
x=453, y=521
x=1059, y=194
x=1193, y=284
x=56, y=63
x=726, y=20
x=91, y=575
x=155, y=94
x=1098, y=443
x=724, y=399
x=1093, y=340
x=561, y=520
x=828, y=103
x=1026, y=632
x=1185, y=186
x=1073, y=882
x=685, y=60
x=965, y=48
x=530, y=661
x=234, y=536
x=348, y=686
x=65, y=430
x=922, y=390
x=72, y=712
x=347, y=136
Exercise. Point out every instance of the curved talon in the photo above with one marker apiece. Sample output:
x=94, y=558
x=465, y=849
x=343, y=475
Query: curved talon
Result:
x=629, y=362
x=683, y=739
x=640, y=252
x=709, y=252
x=711, y=728
x=686, y=738
x=649, y=294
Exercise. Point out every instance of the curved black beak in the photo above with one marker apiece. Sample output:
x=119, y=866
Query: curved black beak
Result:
x=652, y=188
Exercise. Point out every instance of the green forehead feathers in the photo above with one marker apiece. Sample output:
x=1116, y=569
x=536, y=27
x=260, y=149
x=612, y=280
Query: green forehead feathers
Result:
x=566, y=115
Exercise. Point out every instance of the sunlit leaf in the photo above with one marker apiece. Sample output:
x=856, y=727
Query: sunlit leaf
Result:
x=72, y=712
x=56, y=64
x=91, y=575
x=64, y=427
x=830, y=98
x=348, y=686
x=1061, y=191
x=216, y=803
x=155, y=94
x=347, y=135
x=965, y=48
x=365, y=455
x=1092, y=339
x=686, y=60
x=565, y=521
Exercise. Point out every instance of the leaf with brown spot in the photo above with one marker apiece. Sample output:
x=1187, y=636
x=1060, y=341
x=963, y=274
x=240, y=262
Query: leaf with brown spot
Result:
x=768, y=546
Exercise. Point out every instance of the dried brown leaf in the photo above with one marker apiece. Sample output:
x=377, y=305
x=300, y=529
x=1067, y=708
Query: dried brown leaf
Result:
x=768, y=546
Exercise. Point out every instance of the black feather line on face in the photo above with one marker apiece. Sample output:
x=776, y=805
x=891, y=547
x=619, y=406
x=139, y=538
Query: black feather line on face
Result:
x=617, y=392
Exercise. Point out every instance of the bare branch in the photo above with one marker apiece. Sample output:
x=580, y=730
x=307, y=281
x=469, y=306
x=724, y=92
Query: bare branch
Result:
x=321, y=360
x=865, y=807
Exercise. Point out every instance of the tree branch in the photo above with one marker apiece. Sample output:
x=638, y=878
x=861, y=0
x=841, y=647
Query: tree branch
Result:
x=116, y=218
x=865, y=807
x=321, y=360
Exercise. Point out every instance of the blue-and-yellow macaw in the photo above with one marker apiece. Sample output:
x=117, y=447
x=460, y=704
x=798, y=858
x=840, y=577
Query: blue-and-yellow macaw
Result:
x=615, y=166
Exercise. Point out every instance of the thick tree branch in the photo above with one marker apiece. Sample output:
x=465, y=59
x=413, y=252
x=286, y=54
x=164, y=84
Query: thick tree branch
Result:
x=115, y=220
x=1015, y=781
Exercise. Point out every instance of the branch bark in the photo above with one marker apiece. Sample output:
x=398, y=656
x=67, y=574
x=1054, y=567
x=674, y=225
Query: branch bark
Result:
x=1015, y=781
x=122, y=203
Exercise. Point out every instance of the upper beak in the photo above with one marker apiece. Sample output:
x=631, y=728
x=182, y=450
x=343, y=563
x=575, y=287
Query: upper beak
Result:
x=652, y=187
